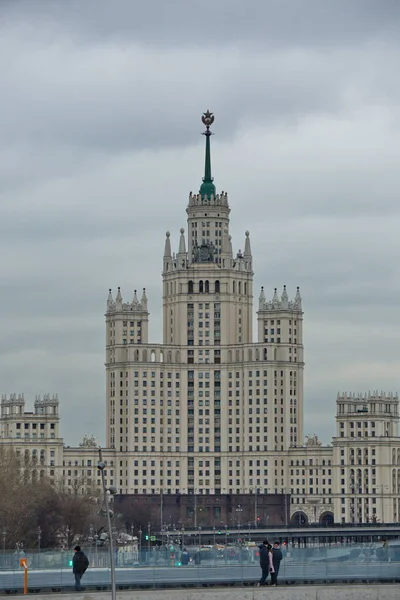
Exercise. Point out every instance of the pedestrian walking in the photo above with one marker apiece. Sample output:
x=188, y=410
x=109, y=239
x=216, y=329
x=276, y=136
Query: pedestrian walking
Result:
x=266, y=563
x=276, y=561
x=80, y=563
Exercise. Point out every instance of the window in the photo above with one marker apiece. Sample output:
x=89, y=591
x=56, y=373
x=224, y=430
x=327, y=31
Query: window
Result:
x=190, y=287
x=217, y=287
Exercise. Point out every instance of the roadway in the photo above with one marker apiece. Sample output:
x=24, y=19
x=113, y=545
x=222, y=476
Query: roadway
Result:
x=315, y=531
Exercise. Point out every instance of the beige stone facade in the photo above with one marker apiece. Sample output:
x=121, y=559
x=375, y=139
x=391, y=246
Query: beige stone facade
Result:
x=210, y=410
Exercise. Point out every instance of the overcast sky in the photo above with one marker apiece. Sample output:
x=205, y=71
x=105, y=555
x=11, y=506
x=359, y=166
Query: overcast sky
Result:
x=100, y=145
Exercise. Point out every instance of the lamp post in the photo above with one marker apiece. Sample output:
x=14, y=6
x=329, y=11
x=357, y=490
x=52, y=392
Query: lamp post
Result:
x=140, y=544
x=239, y=510
x=195, y=509
x=4, y=535
x=113, y=490
x=96, y=537
x=255, y=507
x=161, y=508
x=199, y=537
x=214, y=534
x=39, y=537
x=91, y=541
x=284, y=492
x=182, y=538
x=67, y=536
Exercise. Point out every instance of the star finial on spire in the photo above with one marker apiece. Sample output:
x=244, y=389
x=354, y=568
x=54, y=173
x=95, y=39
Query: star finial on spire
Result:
x=207, y=187
x=208, y=120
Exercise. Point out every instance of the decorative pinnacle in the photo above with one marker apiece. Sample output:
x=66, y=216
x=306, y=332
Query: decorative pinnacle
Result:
x=207, y=188
x=208, y=120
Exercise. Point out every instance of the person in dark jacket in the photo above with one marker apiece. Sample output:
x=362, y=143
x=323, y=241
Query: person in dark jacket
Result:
x=265, y=561
x=80, y=563
x=185, y=557
x=276, y=561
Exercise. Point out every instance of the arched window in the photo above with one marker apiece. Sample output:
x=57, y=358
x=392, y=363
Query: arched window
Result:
x=177, y=357
x=265, y=354
x=250, y=355
x=144, y=356
x=137, y=355
x=201, y=289
x=153, y=356
x=240, y=287
x=234, y=287
x=161, y=356
x=190, y=287
x=207, y=286
x=245, y=288
x=217, y=287
x=257, y=354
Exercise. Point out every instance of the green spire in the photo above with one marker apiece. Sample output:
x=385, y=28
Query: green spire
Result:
x=207, y=188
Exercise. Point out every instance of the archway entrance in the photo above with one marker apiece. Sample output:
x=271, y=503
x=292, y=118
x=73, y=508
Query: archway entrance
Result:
x=326, y=519
x=299, y=519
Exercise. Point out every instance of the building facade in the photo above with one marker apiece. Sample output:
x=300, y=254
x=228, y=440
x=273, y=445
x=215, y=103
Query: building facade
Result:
x=210, y=410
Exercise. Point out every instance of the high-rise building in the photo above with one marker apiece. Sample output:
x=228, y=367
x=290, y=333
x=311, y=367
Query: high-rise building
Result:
x=207, y=410
x=210, y=410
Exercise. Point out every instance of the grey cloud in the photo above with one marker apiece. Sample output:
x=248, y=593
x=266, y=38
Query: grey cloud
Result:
x=277, y=23
x=113, y=96
x=101, y=144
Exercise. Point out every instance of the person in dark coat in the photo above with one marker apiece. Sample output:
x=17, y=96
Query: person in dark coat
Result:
x=80, y=563
x=185, y=557
x=276, y=561
x=265, y=561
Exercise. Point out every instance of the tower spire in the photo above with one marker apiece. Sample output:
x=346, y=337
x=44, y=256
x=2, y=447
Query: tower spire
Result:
x=207, y=188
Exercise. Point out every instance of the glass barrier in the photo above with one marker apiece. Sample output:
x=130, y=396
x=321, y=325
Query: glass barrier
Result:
x=172, y=566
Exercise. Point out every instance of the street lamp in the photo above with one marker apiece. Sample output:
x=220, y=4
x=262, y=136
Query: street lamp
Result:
x=4, y=535
x=96, y=545
x=214, y=534
x=112, y=490
x=239, y=510
x=91, y=541
x=199, y=537
x=195, y=509
x=39, y=537
x=67, y=536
